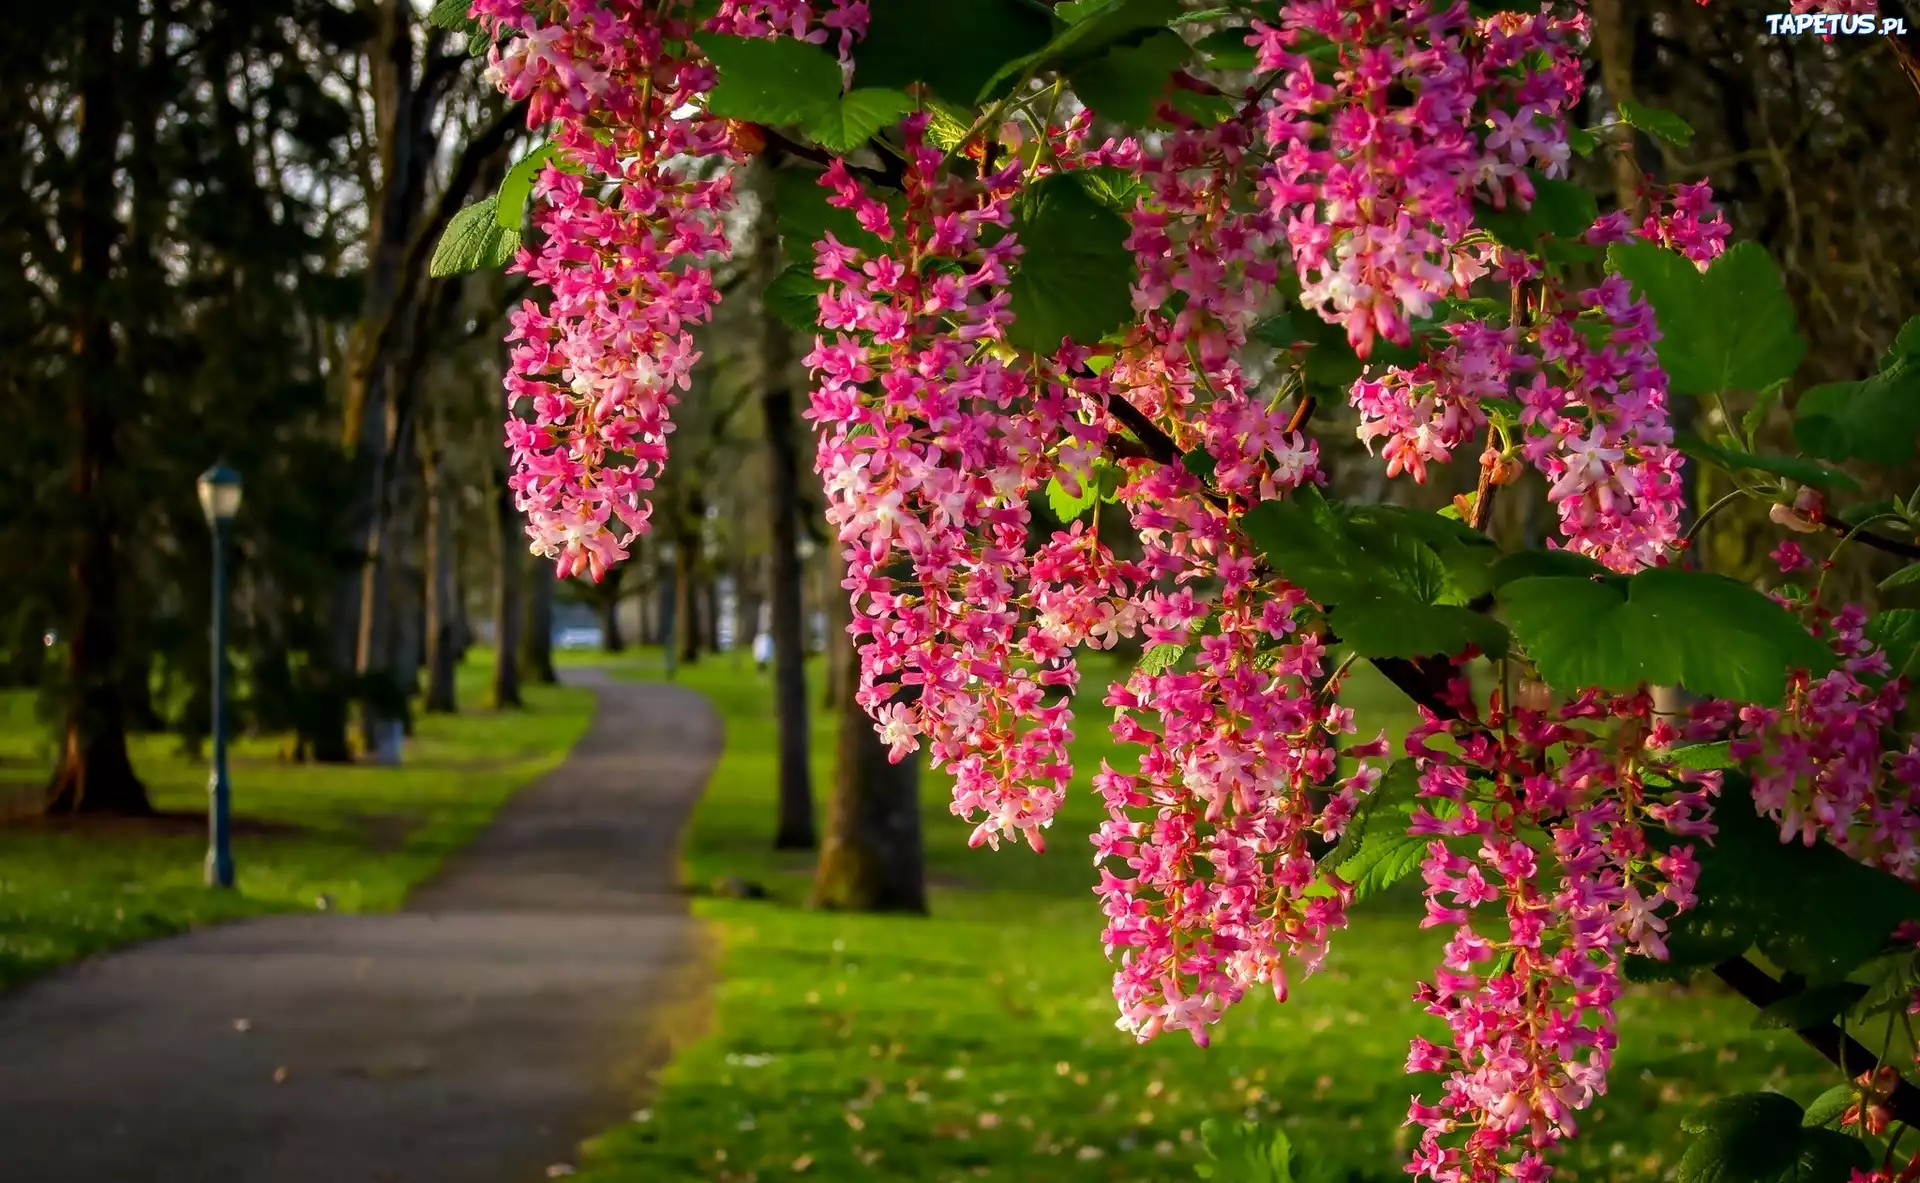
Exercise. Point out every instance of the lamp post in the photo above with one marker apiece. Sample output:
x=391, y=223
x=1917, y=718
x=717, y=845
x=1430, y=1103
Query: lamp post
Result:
x=220, y=499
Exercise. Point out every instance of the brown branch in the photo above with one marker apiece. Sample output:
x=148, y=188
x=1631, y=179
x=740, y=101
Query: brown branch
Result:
x=1841, y=1050
x=1892, y=546
x=1302, y=411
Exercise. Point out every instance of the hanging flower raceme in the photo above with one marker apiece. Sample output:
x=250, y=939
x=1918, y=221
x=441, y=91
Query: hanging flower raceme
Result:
x=1542, y=863
x=627, y=230
x=930, y=441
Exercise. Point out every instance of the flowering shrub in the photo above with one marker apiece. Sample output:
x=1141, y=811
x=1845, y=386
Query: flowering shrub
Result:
x=1107, y=262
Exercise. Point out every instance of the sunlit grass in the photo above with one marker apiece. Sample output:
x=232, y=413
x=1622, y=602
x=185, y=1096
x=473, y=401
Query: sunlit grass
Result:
x=360, y=836
x=979, y=1043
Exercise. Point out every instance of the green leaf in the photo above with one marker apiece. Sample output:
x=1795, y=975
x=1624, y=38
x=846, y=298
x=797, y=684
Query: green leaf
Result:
x=1757, y=413
x=1794, y=468
x=1756, y=889
x=1244, y=1152
x=1815, y=1006
x=1527, y=564
x=1829, y=1156
x=1098, y=26
x=1906, y=344
x=1068, y=506
x=780, y=81
x=1200, y=463
x=1383, y=860
x=1828, y=1106
x=1563, y=209
x=1759, y=1138
x=1127, y=82
x=1227, y=49
x=854, y=119
x=1383, y=574
x=452, y=15
x=1161, y=658
x=1115, y=188
x=1898, y=633
x=1730, y=328
x=1708, y=633
x=1393, y=797
x=1204, y=109
x=1706, y=757
x=516, y=189
x=806, y=218
x=794, y=297
x=1074, y=279
x=1582, y=141
x=1560, y=210
x=1744, y=1138
x=1392, y=624
x=1330, y=361
x=1656, y=122
x=474, y=239
x=953, y=48
x=1877, y=418
x=1906, y=576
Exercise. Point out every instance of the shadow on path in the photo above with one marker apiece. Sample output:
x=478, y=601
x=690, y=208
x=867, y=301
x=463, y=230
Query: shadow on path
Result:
x=518, y=1004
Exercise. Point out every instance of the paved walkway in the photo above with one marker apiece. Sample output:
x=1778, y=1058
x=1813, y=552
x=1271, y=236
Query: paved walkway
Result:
x=516, y=1006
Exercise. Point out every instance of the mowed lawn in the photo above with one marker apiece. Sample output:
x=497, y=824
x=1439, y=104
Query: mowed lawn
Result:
x=980, y=1043
x=357, y=836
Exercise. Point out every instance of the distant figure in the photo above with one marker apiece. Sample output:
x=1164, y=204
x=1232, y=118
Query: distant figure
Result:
x=763, y=651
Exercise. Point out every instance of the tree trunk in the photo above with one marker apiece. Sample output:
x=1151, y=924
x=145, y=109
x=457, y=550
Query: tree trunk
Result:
x=536, y=644
x=710, y=612
x=94, y=774
x=442, y=642
x=839, y=615
x=510, y=578
x=1613, y=43
x=784, y=574
x=686, y=600
x=611, y=638
x=404, y=130
x=872, y=859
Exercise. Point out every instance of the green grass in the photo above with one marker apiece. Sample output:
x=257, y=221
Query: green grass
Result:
x=358, y=834
x=979, y=1043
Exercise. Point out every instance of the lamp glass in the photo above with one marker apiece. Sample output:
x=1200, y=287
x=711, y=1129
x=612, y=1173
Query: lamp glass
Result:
x=220, y=495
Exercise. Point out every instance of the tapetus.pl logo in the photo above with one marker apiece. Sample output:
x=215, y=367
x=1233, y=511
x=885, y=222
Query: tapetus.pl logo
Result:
x=1828, y=24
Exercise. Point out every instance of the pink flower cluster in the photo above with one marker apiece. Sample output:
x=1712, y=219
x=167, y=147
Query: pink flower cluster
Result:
x=1821, y=765
x=929, y=444
x=625, y=252
x=1376, y=194
x=1543, y=865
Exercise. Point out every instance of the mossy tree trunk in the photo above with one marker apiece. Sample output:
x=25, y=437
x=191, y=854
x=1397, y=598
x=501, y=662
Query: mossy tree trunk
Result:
x=872, y=859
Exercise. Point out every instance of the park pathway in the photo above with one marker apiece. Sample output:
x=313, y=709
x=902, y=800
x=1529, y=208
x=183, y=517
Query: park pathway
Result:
x=516, y=1005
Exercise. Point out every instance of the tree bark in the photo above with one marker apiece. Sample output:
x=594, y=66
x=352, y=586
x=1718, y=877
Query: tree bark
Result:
x=872, y=859
x=536, y=644
x=403, y=130
x=94, y=774
x=839, y=614
x=442, y=642
x=1613, y=43
x=686, y=598
x=612, y=640
x=784, y=575
x=508, y=610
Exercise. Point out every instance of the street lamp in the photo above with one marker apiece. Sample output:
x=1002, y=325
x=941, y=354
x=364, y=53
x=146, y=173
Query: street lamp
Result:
x=219, y=499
